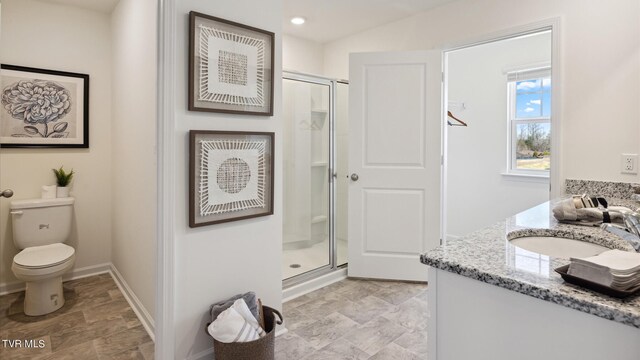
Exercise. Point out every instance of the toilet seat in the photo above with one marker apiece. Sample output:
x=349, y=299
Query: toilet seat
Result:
x=38, y=257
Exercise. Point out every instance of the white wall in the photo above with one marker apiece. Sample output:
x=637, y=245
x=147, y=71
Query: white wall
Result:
x=600, y=65
x=44, y=35
x=215, y=262
x=302, y=55
x=133, y=41
x=478, y=195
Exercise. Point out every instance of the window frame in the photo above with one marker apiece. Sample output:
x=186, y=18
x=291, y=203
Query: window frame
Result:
x=513, y=121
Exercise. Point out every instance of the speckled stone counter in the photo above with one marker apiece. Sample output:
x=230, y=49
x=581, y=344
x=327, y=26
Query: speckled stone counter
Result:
x=607, y=189
x=487, y=255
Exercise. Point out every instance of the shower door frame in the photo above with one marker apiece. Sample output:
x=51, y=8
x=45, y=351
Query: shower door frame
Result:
x=331, y=178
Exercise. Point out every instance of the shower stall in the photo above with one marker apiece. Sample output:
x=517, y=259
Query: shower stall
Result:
x=315, y=176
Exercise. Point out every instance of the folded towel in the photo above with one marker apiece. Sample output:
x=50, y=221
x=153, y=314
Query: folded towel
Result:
x=241, y=307
x=567, y=209
x=613, y=213
x=586, y=209
x=236, y=324
x=249, y=298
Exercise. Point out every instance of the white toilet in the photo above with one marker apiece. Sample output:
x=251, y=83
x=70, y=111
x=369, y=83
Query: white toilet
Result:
x=40, y=227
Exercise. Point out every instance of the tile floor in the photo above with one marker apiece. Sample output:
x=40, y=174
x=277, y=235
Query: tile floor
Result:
x=356, y=319
x=96, y=322
x=351, y=319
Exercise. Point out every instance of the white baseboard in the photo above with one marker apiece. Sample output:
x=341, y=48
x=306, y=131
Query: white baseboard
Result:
x=129, y=295
x=145, y=318
x=79, y=273
x=313, y=285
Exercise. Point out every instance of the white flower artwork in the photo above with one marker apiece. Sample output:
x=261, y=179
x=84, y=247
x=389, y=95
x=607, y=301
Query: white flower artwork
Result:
x=43, y=108
x=39, y=104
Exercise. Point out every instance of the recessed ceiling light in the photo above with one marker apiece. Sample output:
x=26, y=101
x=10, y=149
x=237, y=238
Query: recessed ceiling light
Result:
x=298, y=20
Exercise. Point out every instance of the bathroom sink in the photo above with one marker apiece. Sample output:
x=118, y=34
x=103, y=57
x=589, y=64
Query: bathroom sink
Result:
x=558, y=246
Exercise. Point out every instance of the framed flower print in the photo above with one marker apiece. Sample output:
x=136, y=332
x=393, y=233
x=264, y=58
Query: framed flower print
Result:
x=43, y=108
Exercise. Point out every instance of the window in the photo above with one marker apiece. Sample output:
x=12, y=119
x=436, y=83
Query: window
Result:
x=530, y=121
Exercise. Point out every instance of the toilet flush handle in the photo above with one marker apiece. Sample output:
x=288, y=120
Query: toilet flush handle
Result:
x=16, y=212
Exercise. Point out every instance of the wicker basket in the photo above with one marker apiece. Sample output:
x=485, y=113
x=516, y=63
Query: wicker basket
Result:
x=261, y=349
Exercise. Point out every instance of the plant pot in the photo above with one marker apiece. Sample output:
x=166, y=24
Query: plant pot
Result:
x=62, y=192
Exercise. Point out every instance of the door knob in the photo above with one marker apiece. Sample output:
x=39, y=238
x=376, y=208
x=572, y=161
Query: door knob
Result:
x=354, y=177
x=6, y=193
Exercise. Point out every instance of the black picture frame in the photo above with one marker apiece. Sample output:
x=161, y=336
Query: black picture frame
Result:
x=243, y=64
x=52, y=106
x=231, y=176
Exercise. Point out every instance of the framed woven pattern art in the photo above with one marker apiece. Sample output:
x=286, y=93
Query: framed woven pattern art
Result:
x=230, y=66
x=43, y=108
x=230, y=176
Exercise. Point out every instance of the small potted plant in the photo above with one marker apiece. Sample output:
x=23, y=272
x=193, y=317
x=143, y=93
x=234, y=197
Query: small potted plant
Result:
x=63, y=179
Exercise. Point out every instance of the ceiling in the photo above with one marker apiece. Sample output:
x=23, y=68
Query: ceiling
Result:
x=105, y=6
x=328, y=20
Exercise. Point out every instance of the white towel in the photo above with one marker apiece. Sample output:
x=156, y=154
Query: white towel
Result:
x=615, y=213
x=243, y=309
x=236, y=324
x=584, y=208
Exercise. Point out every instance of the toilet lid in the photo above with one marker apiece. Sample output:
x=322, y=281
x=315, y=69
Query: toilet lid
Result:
x=44, y=256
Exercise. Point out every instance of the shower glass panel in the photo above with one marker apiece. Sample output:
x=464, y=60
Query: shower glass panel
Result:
x=307, y=192
x=341, y=169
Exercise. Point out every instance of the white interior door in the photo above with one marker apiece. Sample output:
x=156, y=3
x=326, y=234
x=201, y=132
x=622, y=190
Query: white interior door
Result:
x=394, y=159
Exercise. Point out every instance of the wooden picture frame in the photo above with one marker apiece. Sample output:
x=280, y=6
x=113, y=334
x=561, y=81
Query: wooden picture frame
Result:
x=43, y=108
x=231, y=67
x=230, y=176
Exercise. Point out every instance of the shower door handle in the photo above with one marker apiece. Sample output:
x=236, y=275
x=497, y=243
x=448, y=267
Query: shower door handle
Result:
x=332, y=175
x=354, y=177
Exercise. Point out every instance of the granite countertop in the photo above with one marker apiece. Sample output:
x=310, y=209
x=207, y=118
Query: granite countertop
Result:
x=487, y=255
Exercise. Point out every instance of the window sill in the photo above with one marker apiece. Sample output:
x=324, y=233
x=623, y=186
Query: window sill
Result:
x=542, y=179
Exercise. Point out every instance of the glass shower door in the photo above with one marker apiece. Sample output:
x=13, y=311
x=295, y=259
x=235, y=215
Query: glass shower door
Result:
x=307, y=154
x=341, y=165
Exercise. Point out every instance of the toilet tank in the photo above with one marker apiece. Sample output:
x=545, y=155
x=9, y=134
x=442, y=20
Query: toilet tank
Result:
x=41, y=221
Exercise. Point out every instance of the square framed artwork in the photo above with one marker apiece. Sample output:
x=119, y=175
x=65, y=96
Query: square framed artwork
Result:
x=230, y=67
x=230, y=176
x=43, y=108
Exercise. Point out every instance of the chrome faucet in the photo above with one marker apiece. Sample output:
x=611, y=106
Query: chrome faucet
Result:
x=632, y=222
x=630, y=232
